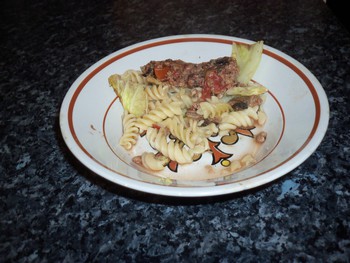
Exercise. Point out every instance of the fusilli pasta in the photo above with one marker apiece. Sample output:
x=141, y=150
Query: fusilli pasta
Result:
x=178, y=119
x=159, y=114
x=244, y=118
x=130, y=131
x=157, y=92
x=150, y=161
x=175, y=150
x=213, y=108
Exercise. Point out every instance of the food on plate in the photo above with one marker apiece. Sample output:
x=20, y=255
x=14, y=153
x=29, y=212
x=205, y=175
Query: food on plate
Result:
x=214, y=76
x=178, y=107
x=248, y=59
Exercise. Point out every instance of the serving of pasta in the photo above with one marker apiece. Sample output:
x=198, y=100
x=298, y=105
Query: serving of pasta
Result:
x=179, y=107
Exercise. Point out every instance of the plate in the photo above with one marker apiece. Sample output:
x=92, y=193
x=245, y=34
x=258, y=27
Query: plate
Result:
x=296, y=106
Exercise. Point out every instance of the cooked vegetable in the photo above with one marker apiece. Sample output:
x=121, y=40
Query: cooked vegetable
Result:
x=246, y=91
x=135, y=99
x=113, y=81
x=161, y=72
x=132, y=95
x=248, y=59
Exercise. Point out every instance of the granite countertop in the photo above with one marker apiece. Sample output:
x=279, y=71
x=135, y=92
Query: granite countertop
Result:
x=53, y=209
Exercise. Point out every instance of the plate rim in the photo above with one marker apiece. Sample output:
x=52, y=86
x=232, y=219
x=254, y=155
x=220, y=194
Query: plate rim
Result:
x=310, y=145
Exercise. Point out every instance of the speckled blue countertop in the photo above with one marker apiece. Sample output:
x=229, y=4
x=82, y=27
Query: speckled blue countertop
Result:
x=53, y=209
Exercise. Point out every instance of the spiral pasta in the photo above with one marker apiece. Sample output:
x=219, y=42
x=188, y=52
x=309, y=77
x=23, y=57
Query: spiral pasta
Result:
x=235, y=119
x=153, y=104
x=175, y=150
x=152, y=162
x=130, y=131
x=159, y=114
x=194, y=140
x=179, y=94
x=212, y=110
x=209, y=130
x=157, y=92
x=174, y=114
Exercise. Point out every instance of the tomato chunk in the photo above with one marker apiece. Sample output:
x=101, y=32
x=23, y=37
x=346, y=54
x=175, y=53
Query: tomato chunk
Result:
x=206, y=92
x=161, y=72
x=214, y=81
x=213, y=84
x=155, y=126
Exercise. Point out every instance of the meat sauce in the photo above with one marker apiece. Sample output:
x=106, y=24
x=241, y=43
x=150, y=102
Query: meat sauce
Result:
x=214, y=76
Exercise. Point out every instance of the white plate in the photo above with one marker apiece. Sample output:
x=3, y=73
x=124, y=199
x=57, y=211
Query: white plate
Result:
x=297, y=109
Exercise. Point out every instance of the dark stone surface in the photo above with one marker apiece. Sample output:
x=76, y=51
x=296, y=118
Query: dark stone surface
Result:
x=53, y=209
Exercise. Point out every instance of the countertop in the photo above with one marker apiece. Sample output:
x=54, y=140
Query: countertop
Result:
x=54, y=209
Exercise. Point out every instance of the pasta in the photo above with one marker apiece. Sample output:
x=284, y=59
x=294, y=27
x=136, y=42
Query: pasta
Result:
x=150, y=161
x=178, y=115
x=165, y=110
x=196, y=141
x=209, y=130
x=130, y=131
x=212, y=110
x=157, y=92
x=153, y=104
x=181, y=95
x=181, y=132
x=172, y=149
x=235, y=119
x=198, y=126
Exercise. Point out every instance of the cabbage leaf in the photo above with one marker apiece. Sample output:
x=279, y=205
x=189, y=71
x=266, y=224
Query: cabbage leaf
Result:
x=248, y=58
